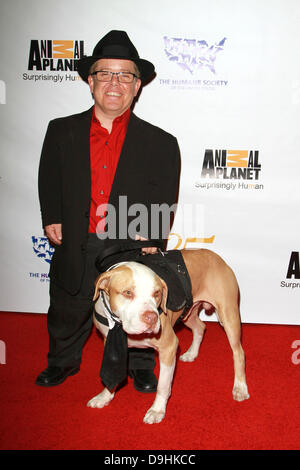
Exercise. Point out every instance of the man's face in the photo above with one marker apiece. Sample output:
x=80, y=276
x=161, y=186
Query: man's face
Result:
x=113, y=98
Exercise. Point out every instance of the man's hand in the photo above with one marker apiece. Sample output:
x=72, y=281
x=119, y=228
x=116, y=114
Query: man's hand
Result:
x=54, y=233
x=151, y=250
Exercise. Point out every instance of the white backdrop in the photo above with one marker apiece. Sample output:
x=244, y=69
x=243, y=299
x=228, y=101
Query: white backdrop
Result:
x=227, y=86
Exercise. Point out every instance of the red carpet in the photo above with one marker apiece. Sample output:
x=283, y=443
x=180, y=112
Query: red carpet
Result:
x=200, y=415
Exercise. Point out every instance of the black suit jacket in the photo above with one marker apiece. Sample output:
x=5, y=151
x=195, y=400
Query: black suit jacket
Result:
x=147, y=173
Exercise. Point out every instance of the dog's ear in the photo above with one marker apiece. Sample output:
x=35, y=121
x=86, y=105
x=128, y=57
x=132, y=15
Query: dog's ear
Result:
x=163, y=303
x=101, y=283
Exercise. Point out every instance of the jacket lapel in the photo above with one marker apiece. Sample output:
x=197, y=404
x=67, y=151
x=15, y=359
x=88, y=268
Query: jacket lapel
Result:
x=130, y=161
x=80, y=133
x=81, y=138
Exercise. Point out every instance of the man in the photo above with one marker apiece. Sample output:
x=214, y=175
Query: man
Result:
x=91, y=161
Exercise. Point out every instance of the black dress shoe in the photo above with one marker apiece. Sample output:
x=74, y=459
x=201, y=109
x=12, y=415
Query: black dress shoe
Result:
x=55, y=375
x=144, y=380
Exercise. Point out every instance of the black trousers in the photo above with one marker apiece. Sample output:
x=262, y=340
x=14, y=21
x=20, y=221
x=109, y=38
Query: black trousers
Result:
x=70, y=321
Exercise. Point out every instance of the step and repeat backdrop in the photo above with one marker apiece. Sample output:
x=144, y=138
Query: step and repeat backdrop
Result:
x=227, y=86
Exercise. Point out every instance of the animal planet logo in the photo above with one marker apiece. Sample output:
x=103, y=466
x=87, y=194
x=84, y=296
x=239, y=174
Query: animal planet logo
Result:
x=193, y=56
x=293, y=272
x=237, y=169
x=54, y=56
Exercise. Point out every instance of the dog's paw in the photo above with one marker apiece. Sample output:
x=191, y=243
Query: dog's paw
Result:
x=153, y=416
x=188, y=356
x=240, y=392
x=101, y=400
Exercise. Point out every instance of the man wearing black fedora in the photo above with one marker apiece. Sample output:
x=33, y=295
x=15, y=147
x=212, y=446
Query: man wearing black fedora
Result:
x=89, y=162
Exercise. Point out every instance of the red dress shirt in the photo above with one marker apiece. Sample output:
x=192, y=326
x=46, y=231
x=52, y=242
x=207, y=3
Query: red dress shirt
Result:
x=105, y=150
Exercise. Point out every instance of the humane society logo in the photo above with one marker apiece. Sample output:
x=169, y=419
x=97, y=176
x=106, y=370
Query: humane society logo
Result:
x=42, y=248
x=44, y=251
x=230, y=169
x=196, y=58
x=54, y=55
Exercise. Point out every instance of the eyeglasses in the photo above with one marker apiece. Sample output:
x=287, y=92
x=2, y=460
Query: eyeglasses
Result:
x=106, y=76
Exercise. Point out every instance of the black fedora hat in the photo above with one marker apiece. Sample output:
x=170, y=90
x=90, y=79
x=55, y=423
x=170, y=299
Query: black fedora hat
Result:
x=115, y=45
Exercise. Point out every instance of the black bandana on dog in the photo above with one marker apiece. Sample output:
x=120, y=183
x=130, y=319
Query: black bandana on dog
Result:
x=114, y=362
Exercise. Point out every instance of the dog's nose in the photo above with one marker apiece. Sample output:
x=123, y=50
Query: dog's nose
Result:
x=149, y=318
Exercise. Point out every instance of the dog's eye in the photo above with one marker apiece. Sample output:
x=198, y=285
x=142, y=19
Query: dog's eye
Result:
x=157, y=293
x=128, y=294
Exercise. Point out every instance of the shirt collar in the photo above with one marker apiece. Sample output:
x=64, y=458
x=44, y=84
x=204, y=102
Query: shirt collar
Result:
x=124, y=118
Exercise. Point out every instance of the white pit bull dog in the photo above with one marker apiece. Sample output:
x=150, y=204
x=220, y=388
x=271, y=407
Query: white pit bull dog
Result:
x=135, y=293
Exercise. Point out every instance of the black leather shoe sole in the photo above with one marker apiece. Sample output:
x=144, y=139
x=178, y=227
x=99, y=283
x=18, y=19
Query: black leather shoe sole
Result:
x=144, y=380
x=55, y=375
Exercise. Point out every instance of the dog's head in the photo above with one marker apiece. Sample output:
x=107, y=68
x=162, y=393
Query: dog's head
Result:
x=135, y=293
